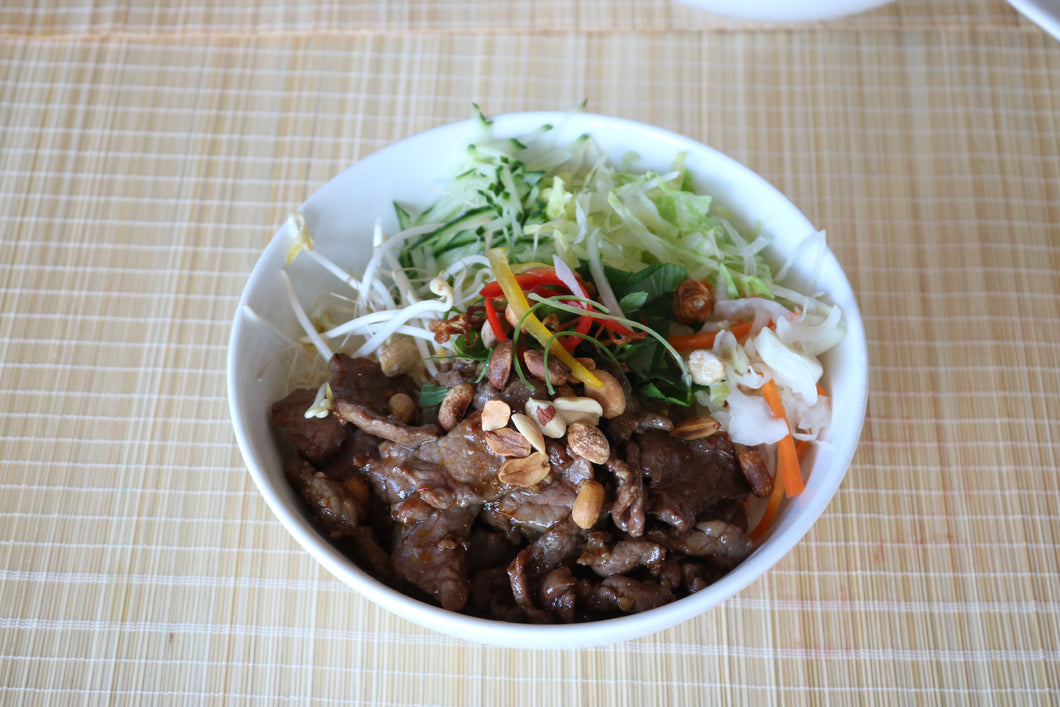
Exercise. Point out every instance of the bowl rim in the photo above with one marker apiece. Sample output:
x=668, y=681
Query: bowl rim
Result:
x=579, y=635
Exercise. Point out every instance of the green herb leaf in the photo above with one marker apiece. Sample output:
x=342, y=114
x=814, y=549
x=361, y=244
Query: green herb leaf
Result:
x=661, y=390
x=431, y=395
x=632, y=302
x=657, y=280
x=470, y=346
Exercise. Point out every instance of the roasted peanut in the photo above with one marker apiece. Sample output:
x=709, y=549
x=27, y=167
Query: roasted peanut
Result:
x=500, y=365
x=529, y=429
x=558, y=373
x=399, y=357
x=697, y=428
x=543, y=412
x=705, y=367
x=506, y=442
x=495, y=414
x=511, y=317
x=588, y=442
x=525, y=472
x=454, y=405
x=587, y=504
x=610, y=395
x=578, y=409
x=488, y=338
x=402, y=407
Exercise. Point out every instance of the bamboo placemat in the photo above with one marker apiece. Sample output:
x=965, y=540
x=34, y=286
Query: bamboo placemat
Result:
x=147, y=155
x=64, y=17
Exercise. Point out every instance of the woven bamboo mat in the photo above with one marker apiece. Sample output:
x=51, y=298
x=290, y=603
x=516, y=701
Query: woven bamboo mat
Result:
x=63, y=17
x=148, y=153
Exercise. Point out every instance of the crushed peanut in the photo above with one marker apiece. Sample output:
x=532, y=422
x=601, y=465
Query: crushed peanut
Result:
x=402, y=407
x=525, y=472
x=610, y=395
x=587, y=504
x=697, y=428
x=543, y=412
x=454, y=405
x=578, y=409
x=399, y=357
x=495, y=415
x=588, y=442
x=506, y=442
x=529, y=429
x=705, y=367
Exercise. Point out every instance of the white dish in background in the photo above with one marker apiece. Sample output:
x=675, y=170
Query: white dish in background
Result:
x=1044, y=13
x=341, y=216
x=786, y=10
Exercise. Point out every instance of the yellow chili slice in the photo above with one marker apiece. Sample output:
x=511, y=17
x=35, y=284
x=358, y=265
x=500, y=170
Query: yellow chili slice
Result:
x=502, y=271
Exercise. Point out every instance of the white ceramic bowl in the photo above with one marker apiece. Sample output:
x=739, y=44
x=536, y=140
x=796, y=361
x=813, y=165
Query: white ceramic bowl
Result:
x=786, y=10
x=341, y=216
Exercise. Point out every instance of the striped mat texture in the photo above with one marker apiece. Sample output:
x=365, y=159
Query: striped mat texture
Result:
x=149, y=151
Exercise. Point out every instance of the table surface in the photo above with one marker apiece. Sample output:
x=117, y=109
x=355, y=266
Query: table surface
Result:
x=149, y=151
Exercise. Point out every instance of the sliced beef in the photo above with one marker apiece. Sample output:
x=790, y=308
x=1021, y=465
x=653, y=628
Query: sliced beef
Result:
x=695, y=576
x=359, y=449
x=715, y=542
x=363, y=546
x=339, y=507
x=559, y=594
x=561, y=545
x=488, y=548
x=668, y=573
x=629, y=596
x=730, y=510
x=411, y=509
x=424, y=510
x=570, y=468
x=629, y=423
x=455, y=372
x=463, y=453
x=687, y=476
x=523, y=582
x=627, y=511
x=622, y=557
x=490, y=595
x=380, y=425
x=361, y=380
x=317, y=438
x=515, y=392
x=484, y=392
x=531, y=511
x=430, y=554
x=399, y=472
